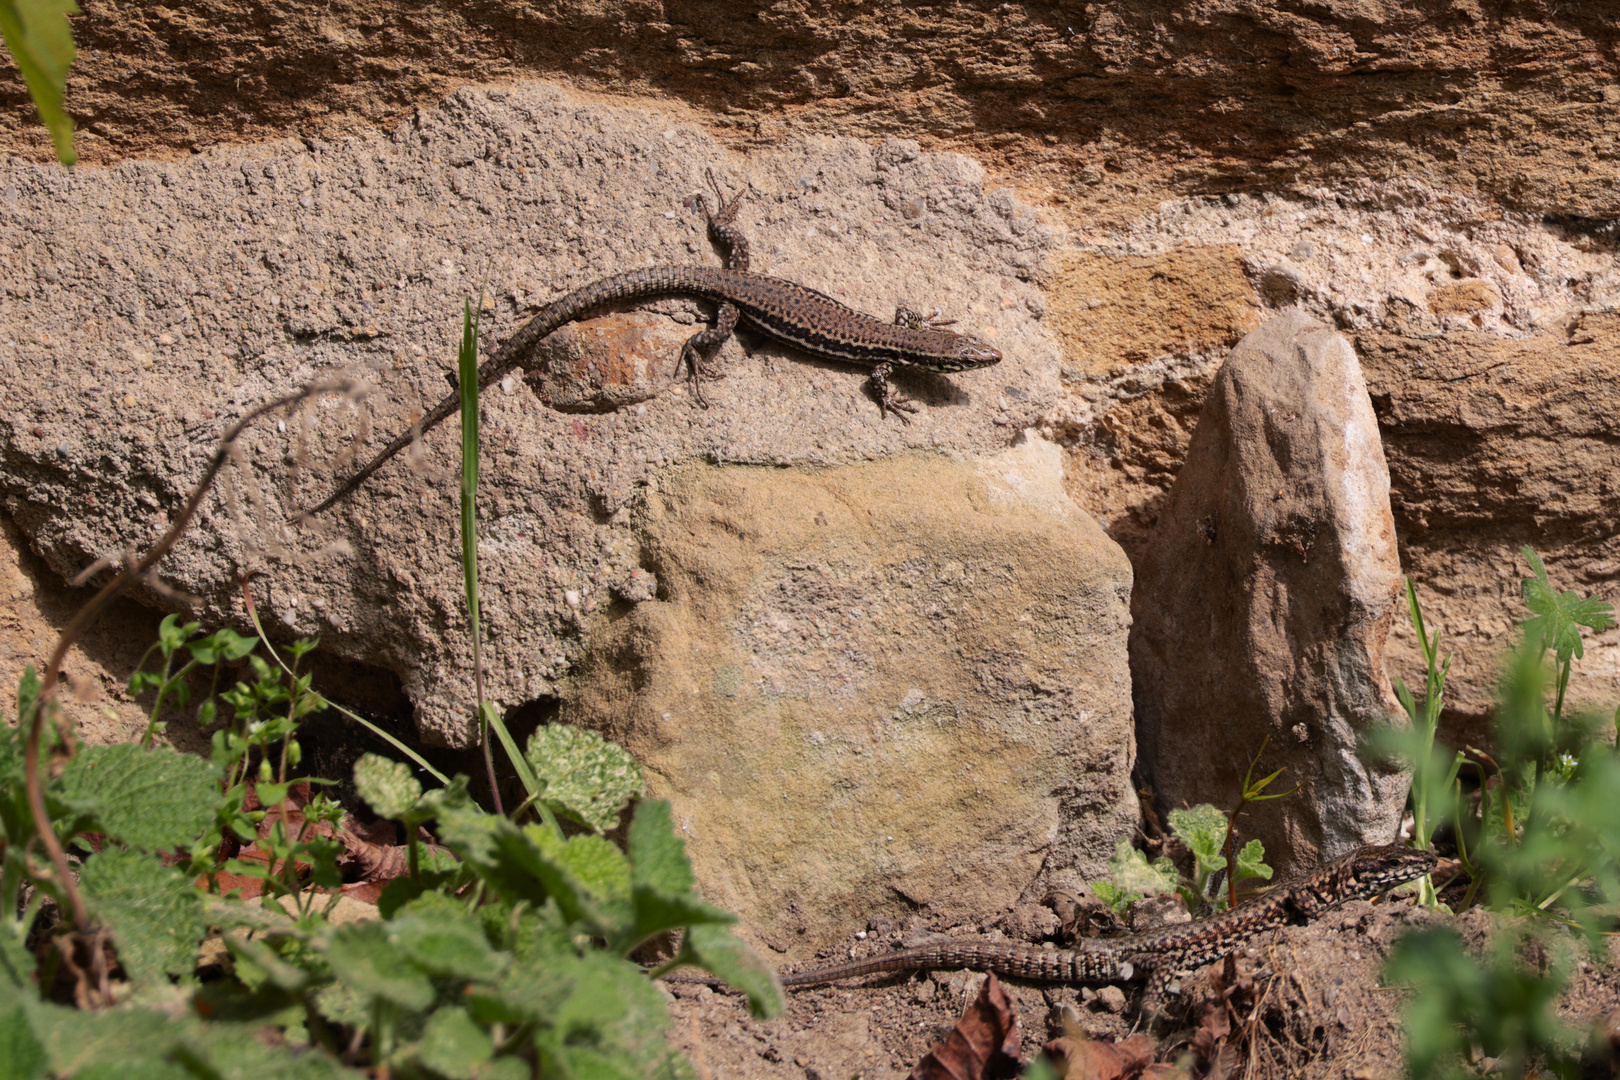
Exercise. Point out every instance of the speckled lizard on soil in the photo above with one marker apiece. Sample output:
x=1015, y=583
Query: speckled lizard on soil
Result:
x=1164, y=954
x=789, y=313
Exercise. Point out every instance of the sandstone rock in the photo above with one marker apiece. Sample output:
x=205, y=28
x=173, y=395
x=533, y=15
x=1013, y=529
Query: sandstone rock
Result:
x=1494, y=444
x=1264, y=595
x=876, y=686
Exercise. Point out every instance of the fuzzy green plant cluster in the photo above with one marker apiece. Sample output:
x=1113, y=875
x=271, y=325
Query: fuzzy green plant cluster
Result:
x=503, y=950
x=1540, y=844
x=1206, y=832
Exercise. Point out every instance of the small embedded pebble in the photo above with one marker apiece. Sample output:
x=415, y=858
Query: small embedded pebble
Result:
x=1109, y=999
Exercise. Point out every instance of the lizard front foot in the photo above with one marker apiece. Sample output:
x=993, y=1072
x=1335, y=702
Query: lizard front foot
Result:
x=888, y=401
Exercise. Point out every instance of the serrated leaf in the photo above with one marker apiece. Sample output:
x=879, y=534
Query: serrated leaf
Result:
x=657, y=855
x=594, y=861
x=726, y=956
x=364, y=958
x=1557, y=614
x=342, y=1004
x=75, y=1040
x=1132, y=873
x=655, y=913
x=238, y=1052
x=387, y=786
x=266, y=965
x=448, y=944
x=453, y=796
x=22, y=1055
x=1251, y=861
x=155, y=914
x=453, y=1045
x=1203, y=830
x=582, y=775
x=612, y=1005
x=1115, y=897
x=465, y=829
x=661, y=879
x=155, y=800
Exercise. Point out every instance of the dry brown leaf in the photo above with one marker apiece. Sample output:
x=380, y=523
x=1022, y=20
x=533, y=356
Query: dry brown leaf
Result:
x=982, y=1046
x=1091, y=1059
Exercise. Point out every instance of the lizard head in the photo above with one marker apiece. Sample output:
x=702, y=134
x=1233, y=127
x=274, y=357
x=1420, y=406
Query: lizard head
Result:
x=964, y=351
x=1374, y=869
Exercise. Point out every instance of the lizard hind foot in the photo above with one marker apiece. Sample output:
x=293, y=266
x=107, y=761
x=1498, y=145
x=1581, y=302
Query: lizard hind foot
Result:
x=725, y=209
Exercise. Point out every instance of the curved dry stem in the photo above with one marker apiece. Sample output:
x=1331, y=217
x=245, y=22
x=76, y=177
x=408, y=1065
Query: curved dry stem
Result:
x=99, y=603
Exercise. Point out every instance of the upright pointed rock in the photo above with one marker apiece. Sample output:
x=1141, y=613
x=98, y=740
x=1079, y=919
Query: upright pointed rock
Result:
x=1264, y=597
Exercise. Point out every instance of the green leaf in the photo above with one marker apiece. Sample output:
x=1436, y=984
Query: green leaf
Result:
x=238, y=1052
x=155, y=914
x=594, y=1000
x=22, y=1055
x=387, y=786
x=1496, y=1003
x=1558, y=614
x=364, y=958
x=726, y=956
x=657, y=856
x=75, y=1040
x=1251, y=862
x=505, y=1068
x=342, y=1004
x=155, y=800
x=16, y=965
x=447, y=943
x=1203, y=830
x=1133, y=874
x=582, y=775
x=266, y=964
x=661, y=879
x=594, y=861
x=1115, y=897
x=172, y=635
x=124, y=1069
x=222, y=644
x=453, y=1044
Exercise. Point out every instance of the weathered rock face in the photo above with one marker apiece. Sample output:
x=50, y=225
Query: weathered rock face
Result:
x=1493, y=444
x=1487, y=353
x=877, y=686
x=1264, y=596
x=1113, y=104
x=149, y=304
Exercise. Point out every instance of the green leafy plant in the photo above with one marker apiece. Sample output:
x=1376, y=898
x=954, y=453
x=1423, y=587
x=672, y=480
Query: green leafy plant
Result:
x=502, y=950
x=221, y=646
x=1435, y=793
x=1206, y=832
x=1499, y=1005
x=1131, y=877
x=1543, y=845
